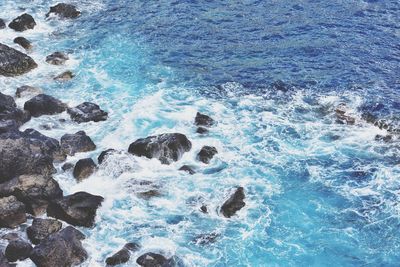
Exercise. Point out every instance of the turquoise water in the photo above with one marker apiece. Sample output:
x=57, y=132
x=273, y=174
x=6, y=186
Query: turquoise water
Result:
x=318, y=193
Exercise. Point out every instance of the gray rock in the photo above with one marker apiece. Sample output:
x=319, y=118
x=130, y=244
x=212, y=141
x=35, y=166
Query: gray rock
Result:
x=22, y=23
x=234, y=203
x=12, y=212
x=26, y=90
x=57, y=58
x=64, y=11
x=78, y=142
x=2, y=24
x=84, y=168
x=43, y=104
x=86, y=112
x=104, y=154
x=23, y=42
x=42, y=228
x=206, y=154
x=18, y=250
x=13, y=62
x=203, y=120
x=122, y=255
x=151, y=259
x=65, y=76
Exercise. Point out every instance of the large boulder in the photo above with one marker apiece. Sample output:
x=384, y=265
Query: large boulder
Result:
x=234, y=203
x=42, y=228
x=13, y=62
x=43, y=104
x=167, y=147
x=206, y=154
x=86, y=112
x=57, y=58
x=77, y=209
x=151, y=259
x=23, y=42
x=12, y=212
x=10, y=112
x=35, y=191
x=22, y=23
x=84, y=168
x=77, y=142
x=203, y=120
x=64, y=11
x=61, y=249
x=18, y=250
x=26, y=90
x=122, y=255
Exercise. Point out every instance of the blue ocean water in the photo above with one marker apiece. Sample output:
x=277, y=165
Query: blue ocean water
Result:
x=318, y=193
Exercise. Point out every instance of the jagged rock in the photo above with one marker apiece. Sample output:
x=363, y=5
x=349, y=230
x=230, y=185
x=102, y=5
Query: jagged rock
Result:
x=151, y=259
x=57, y=58
x=41, y=229
x=165, y=147
x=77, y=209
x=104, y=154
x=13, y=62
x=64, y=11
x=202, y=130
x=60, y=249
x=2, y=24
x=123, y=255
x=18, y=250
x=44, y=105
x=86, y=112
x=12, y=212
x=234, y=203
x=78, y=142
x=26, y=90
x=203, y=120
x=22, y=41
x=22, y=23
x=84, y=168
x=206, y=154
x=65, y=76
x=187, y=169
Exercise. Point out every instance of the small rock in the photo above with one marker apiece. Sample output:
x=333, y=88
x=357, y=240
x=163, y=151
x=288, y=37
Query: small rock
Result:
x=202, y=130
x=67, y=166
x=42, y=228
x=84, y=168
x=187, y=169
x=44, y=105
x=22, y=41
x=13, y=62
x=206, y=154
x=26, y=90
x=280, y=86
x=18, y=250
x=205, y=239
x=2, y=24
x=204, y=209
x=65, y=76
x=64, y=11
x=203, y=120
x=123, y=255
x=78, y=142
x=57, y=58
x=86, y=112
x=22, y=23
x=149, y=194
x=104, y=154
x=234, y=203
x=151, y=259
x=12, y=212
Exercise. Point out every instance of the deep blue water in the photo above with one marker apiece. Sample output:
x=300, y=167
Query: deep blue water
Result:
x=318, y=193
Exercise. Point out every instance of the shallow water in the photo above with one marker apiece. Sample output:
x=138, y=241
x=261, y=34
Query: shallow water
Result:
x=318, y=193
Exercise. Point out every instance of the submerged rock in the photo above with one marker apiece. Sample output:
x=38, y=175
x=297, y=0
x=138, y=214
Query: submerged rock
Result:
x=165, y=147
x=203, y=120
x=122, y=255
x=2, y=24
x=205, y=239
x=18, y=250
x=44, y=105
x=280, y=86
x=22, y=23
x=61, y=249
x=41, y=229
x=206, y=154
x=65, y=76
x=13, y=62
x=57, y=58
x=78, y=142
x=149, y=194
x=67, y=166
x=151, y=259
x=202, y=130
x=26, y=90
x=341, y=116
x=187, y=169
x=84, y=168
x=86, y=112
x=22, y=41
x=104, y=154
x=78, y=209
x=12, y=212
x=64, y=11
x=234, y=203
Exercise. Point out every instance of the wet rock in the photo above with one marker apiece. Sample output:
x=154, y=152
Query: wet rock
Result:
x=104, y=154
x=149, y=194
x=67, y=166
x=84, y=168
x=206, y=239
x=6, y=100
x=206, y=154
x=47, y=145
x=204, y=209
x=78, y=209
x=26, y=90
x=61, y=249
x=8, y=125
x=86, y=112
x=57, y=58
x=165, y=147
x=202, y=130
x=3, y=261
x=2, y=24
x=187, y=169
x=23, y=42
x=123, y=255
x=22, y=23
x=42, y=228
x=18, y=250
x=65, y=76
x=234, y=203
x=203, y=120
x=384, y=138
x=35, y=191
x=12, y=212
x=64, y=11
x=13, y=62
x=78, y=142
x=44, y=105
x=10, y=112
x=151, y=259
x=341, y=116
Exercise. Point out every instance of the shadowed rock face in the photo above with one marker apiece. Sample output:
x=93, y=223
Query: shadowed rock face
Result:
x=41, y=229
x=234, y=203
x=44, y=105
x=64, y=11
x=13, y=62
x=12, y=212
x=18, y=250
x=22, y=23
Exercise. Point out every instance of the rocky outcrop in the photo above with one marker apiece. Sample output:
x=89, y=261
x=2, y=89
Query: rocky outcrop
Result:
x=206, y=154
x=23, y=42
x=22, y=23
x=165, y=147
x=12, y=212
x=18, y=250
x=151, y=259
x=61, y=249
x=77, y=209
x=44, y=105
x=2, y=24
x=187, y=169
x=203, y=120
x=42, y=228
x=57, y=58
x=13, y=62
x=65, y=76
x=26, y=90
x=84, y=168
x=64, y=11
x=86, y=112
x=47, y=145
x=78, y=142
x=234, y=203
x=122, y=255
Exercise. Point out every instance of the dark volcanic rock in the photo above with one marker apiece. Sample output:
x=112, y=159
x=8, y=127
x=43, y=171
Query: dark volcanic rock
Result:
x=87, y=112
x=2, y=24
x=65, y=76
x=202, y=130
x=78, y=142
x=206, y=154
x=44, y=105
x=234, y=203
x=77, y=209
x=6, y=101
x=123, y=255
x=104, y=154
x=151, y=259
x=22, y=23
x=12, y=212
x=42, y=228
x=57, y=58
x=4, y=262
x=60, y=249
x=149, y=194
x=64, y=11
x=18, y=250
x=84, y=168
x=47, y=145
x=27, y=90
x=203, y=120
x=22, y=41
x=8, y=125
x=165, y=147
x=67, y=166
x=187, y=169
x=10, y=112
x=205, y=239
x=13, y=62
x=204, y=209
